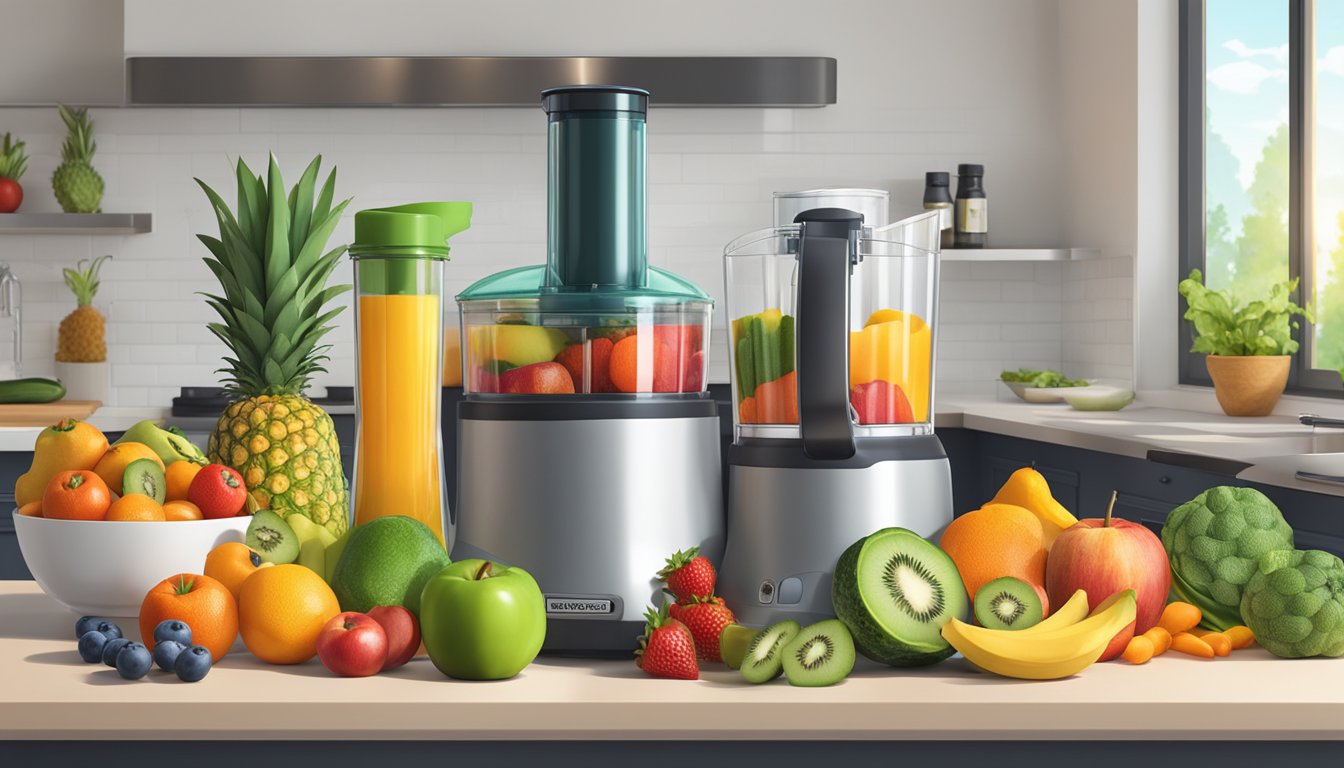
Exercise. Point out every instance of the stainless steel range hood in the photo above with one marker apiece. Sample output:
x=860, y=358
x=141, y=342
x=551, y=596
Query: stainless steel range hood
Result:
x=472, y=81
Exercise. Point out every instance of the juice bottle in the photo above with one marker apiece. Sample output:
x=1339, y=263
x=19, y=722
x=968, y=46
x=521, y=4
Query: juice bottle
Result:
x=399, y=257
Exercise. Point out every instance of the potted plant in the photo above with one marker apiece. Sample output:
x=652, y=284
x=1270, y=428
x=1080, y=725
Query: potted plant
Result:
x=1249, y=346
x=81, y=344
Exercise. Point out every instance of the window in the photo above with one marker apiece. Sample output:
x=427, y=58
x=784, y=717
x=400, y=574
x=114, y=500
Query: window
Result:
x=1262, y=164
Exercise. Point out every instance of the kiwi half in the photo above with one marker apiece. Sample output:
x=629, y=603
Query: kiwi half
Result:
x=271, y=537
x=1008, y=603
x=764, y=658
x=820, y=654
x=144, y=476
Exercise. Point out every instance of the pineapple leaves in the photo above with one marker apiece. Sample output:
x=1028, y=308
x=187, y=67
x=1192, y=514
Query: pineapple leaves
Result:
x=273, y=273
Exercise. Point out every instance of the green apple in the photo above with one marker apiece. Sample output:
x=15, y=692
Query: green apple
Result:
x=482, y=620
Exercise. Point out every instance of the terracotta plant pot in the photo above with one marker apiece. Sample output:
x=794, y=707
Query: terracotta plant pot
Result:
x=1250, y=385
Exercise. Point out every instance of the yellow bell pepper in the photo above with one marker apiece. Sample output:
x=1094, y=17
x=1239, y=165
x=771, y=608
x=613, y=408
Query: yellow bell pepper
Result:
x=1028, y=489
x=69, y=444
x=895, y=347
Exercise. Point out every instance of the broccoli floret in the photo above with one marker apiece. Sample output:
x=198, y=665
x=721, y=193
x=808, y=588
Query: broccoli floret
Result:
x=1294, y=603
x=1214, y=542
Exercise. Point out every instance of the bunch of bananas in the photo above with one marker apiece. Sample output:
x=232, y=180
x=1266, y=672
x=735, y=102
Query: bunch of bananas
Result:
x=1067, y=642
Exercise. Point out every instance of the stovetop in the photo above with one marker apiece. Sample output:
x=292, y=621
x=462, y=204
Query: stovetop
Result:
x=195, y=402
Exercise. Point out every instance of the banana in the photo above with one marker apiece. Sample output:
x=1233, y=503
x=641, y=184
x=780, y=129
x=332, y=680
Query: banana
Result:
x=1072, y=611
x=1059, y=651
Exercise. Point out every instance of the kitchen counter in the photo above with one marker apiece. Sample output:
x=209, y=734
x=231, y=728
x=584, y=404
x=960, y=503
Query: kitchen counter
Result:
x=50, y=694
x=107, y=418
x=1274, y=447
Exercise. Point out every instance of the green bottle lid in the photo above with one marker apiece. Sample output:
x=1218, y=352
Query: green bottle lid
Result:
x=413, y=226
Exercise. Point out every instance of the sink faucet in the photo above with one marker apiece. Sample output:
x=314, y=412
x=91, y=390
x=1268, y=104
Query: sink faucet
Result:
x=11, y=305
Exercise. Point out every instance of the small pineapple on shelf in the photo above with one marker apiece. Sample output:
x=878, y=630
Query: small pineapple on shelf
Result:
x=78, y=187
x=13, y=162
x=81, y=342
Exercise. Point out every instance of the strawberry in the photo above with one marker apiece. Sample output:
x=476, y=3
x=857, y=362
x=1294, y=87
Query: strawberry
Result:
x=706, y=618
x=688, y=574
x=667, y=648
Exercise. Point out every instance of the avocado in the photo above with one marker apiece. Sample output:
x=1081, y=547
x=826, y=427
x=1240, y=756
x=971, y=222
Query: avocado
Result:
x=170, y=444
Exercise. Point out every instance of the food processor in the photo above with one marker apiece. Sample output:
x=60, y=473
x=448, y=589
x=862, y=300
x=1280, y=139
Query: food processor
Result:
x=588, y=444
x=831, y=336
x=399, y=255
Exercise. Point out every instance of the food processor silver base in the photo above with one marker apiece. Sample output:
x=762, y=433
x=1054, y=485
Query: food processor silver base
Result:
x=590, y=498
x=787, y=527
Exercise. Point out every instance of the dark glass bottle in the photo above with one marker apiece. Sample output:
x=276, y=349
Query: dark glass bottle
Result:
x=937, y=197
x=971, y=226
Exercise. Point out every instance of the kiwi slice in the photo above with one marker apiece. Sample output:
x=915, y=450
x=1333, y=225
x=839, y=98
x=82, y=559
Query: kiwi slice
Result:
x=733, y=642
x=271, y=537
x=763, y=659
x=820, y=654
x=144, y=476
x=1008, y=603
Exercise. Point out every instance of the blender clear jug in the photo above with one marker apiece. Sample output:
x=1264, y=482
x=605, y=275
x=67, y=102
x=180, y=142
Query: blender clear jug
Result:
x=888, y=309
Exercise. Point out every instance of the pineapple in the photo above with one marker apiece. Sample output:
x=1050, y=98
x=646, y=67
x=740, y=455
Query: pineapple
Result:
x=78, y=187
x=82, y=335
x=273, y=273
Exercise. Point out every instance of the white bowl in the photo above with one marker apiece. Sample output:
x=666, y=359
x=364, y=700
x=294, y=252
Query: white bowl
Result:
x=1040, y=395
x=105, y=568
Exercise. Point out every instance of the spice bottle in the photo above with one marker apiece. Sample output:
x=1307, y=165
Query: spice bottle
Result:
x=938, y=197
x=971, y=225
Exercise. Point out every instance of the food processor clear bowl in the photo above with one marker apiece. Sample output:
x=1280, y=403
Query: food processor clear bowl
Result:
x=513, y=347
x=892, y=322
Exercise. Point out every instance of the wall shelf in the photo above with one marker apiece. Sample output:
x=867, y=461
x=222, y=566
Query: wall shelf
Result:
x=75, y=223
x=1020, y=254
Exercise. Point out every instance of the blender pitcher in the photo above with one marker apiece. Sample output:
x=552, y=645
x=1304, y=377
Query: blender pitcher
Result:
x=399, y=255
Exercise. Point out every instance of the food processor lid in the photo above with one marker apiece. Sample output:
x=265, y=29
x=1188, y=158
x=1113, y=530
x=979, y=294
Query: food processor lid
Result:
x=663, y=287
x=422, y=227
x=594, y=98
x=919, y=232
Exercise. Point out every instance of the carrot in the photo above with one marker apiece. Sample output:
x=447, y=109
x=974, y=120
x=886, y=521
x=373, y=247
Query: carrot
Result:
x=1139, y=650
x=777, y=401
x=1184, y=642
x=1241, y=636
x=1179, y=617
x=1219, y=642
x=1160, y=638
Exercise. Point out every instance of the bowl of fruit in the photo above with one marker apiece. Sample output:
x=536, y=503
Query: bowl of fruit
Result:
x=99, y=525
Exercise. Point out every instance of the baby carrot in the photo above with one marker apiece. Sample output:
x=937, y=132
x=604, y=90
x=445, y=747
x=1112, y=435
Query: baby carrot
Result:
x=1160, y=638
x=1219, y=642
x=1179, y=617
x=1184, y=642
x=1139, y=650
x=1241, y=636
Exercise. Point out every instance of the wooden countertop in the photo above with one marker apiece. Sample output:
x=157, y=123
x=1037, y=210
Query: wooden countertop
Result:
x=48, y=693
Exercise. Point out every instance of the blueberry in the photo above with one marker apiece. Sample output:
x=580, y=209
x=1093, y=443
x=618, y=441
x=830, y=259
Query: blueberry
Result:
x=110, y=629
x=91, y=646
x=166, y=653
x=111, y=648
x=134, y=661
x=193, y=663
x=86, y=624
x=172, y=629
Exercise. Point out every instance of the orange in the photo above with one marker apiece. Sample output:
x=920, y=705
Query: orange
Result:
x=136, y=507
x=281, y=611
x=113, y=464
x=78, y=494
x=996, y=540
x=181, y=510
x=179, y=475
x=231, y=563
x=201, y=603
x=31, y=509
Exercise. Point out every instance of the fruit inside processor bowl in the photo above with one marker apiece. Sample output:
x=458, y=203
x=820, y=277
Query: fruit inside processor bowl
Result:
x=536, y=347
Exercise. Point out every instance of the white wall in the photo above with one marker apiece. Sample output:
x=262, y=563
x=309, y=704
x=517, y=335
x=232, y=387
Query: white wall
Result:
x=911, y=99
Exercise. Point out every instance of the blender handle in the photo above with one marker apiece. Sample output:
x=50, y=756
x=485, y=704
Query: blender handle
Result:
x=825, y=249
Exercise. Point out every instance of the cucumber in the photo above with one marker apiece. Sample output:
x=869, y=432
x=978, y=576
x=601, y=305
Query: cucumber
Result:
x=34, y=390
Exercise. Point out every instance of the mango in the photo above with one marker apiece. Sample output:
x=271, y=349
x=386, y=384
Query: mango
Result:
x=517, y=345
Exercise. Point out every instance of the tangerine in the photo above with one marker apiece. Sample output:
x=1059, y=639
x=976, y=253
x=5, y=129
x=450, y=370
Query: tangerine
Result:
x=231, y=563
x=112, y=467
x=281, y=611
x=76, y=494
x=996, y=540
x=201, y=603
x=31, y=509
x=179, y=475
x=181, y=510
x=135, y=507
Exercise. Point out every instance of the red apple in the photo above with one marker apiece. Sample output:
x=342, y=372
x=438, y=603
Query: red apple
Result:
x=537, y=379
x=1107, y=555
x=403, y=633
x=352, y=645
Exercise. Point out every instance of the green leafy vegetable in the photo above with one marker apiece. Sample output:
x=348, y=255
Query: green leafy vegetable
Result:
x=1041, y=379
x=1225, y=327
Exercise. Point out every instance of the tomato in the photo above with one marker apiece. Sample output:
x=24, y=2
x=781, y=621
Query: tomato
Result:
x=77, y=494
x=11, y=195
x=218, y=491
